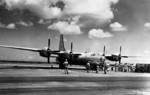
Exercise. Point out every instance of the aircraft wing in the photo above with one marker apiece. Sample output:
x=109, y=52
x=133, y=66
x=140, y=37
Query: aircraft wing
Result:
x=76, y=54
x=54, y=56
x=124, y=56
x=64, y=53
x=21, y=48
x=129, y=56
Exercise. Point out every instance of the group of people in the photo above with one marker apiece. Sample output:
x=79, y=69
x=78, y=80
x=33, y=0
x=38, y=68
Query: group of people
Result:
x=98, y=66
x=125, y=68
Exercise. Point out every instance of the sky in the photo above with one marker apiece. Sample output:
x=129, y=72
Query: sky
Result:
x=89, y=24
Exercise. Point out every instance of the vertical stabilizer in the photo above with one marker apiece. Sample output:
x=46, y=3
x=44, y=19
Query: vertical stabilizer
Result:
x=61, y=43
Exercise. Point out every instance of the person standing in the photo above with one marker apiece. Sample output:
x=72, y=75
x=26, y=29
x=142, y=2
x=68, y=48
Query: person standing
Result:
x=112, y=68
x=97, y=67
x=105, y=67
x=66, y=66
x=88, y=67
x=115, y=67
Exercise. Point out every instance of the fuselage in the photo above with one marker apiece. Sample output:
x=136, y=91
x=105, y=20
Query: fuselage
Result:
x=85, y=57
x=82, y=59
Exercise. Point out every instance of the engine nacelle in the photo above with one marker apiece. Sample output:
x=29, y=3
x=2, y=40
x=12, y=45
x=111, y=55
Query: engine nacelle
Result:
x=115, y=57
x=44, y=53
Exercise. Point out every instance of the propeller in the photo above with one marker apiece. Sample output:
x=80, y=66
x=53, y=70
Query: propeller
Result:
x=115, y=57
x=104, y=51
x=71, y=52
x=119, y=56
x=103, y=55
x=48, y=51
x=71, y=47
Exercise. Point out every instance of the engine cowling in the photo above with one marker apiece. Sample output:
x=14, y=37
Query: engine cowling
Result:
x=45, y=53
x=115, y=57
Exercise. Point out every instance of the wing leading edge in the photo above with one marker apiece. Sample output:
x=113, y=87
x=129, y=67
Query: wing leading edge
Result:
x=21, y=48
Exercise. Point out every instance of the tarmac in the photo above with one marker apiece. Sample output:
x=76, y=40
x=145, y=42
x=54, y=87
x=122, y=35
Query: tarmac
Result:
x=45, y=79
x=52, y=70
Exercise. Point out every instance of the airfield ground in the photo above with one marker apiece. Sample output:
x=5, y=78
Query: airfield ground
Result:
x=42, y=79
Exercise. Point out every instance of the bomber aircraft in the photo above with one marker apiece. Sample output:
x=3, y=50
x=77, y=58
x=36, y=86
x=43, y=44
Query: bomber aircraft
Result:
x=78, y=58
x=74, y=58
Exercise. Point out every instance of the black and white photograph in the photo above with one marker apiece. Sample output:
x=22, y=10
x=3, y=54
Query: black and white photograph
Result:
x=74, y=47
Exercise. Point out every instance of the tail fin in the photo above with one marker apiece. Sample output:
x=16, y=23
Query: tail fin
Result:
x=61, y=43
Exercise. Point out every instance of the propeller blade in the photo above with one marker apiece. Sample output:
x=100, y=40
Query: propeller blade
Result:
x=71, y=52
x=48, y=43
x=120, y=50
x=48, y=51
x=120, y=55
x=71, y=47
x=104, y=51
